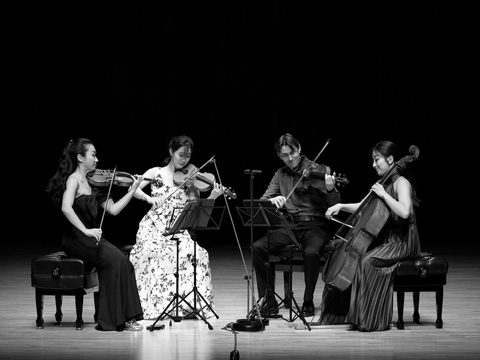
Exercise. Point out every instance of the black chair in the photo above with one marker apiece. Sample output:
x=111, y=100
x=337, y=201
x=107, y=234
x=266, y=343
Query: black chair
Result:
x=289, y=260
x=424, y=273
x=58, y=274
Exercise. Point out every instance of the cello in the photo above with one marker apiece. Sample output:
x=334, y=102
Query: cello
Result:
x=364, y=226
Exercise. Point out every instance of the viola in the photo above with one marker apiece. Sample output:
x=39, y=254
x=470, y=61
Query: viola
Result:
x=316, y=174
x=364, y=226
x=340, y=179
x=202, y=181
x=311, y=166
x=100, y=177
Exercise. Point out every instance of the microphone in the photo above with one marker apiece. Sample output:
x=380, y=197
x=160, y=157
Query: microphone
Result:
x=211, y=159
x=252, y=172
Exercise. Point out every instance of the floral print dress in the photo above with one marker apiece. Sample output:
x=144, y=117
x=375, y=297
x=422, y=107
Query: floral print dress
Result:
x=154, y=257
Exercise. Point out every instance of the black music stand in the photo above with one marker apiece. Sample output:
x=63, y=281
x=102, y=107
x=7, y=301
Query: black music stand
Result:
x=264, y=214
x=196, y=215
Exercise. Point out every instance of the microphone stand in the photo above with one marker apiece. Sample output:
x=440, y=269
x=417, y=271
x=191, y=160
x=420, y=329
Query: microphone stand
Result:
x=252, y=175
x=250, y=323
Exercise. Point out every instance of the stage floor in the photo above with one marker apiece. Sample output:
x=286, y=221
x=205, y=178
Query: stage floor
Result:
x=281, y=339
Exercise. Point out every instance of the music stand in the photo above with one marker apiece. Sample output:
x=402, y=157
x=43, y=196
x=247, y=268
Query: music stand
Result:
x=261, y=213
x=196, y=215
x=267, y=215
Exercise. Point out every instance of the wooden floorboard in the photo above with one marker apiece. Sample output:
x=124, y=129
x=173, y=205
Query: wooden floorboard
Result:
x=192, y=339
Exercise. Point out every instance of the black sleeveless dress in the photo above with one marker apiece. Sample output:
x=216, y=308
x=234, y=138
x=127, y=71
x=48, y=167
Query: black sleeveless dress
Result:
x=119, y=300
x=368, y=302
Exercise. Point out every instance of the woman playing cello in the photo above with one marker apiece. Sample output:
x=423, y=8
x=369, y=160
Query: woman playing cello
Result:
x=367, y=303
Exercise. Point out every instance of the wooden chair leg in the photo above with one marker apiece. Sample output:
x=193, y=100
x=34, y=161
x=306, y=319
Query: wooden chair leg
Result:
x=39, y=304
x=439, y=300
x=416, y=305
x=400, y=303
x=58, y=304
x=79, y=308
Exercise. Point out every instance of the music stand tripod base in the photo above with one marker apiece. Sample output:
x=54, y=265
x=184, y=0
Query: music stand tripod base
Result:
x=195, y=215
x=158, y=327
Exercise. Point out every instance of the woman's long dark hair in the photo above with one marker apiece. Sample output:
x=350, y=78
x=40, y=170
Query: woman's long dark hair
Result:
x=68, y=163
x=176, y=143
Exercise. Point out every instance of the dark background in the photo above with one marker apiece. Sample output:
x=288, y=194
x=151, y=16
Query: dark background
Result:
x=234, y=76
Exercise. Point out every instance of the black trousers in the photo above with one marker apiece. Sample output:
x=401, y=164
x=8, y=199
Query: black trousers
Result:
x=312, y=235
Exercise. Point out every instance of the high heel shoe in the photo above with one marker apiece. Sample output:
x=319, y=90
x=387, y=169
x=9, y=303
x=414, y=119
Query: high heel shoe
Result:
x=133, y=325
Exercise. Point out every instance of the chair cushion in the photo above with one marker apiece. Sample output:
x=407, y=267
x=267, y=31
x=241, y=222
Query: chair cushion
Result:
x=57, y=271
x=127, y=249
x=422, y=266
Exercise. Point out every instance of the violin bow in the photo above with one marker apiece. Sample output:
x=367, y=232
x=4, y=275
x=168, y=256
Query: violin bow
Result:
x=302, y=176
x=108, y=196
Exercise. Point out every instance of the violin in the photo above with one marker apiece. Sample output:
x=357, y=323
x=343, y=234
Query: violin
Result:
x=314, y=174
x=364, y=226
x=202, y=181
x=108, y=178
x=310, y=167
x=100, y=178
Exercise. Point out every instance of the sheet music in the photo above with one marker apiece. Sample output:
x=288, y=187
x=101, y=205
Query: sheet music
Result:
x=196, y=214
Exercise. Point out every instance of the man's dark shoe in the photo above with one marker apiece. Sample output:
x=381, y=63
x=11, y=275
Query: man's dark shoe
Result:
x=308, y=309
x=271, y=310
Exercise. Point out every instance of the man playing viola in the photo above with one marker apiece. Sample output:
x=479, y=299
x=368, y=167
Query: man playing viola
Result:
x=306, y=201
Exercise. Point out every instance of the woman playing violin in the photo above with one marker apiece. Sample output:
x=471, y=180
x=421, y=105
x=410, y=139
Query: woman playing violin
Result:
x=154, y=255
x=70, y=190
x=368, y=303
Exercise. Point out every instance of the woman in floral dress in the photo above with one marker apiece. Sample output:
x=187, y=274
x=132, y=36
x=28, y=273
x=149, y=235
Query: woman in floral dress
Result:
x=154, y=255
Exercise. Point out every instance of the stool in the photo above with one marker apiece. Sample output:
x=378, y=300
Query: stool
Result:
x=423, y=273
x=58, y=274
x=289, y=260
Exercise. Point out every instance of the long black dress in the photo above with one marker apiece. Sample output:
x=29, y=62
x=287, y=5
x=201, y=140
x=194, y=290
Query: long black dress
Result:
x=118, y=294
x=368, y=302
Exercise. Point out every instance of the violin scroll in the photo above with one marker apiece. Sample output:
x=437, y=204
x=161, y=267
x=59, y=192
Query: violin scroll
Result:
x=341, y=180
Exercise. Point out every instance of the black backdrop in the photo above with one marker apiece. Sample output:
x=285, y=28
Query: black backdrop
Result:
x=235, y=75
